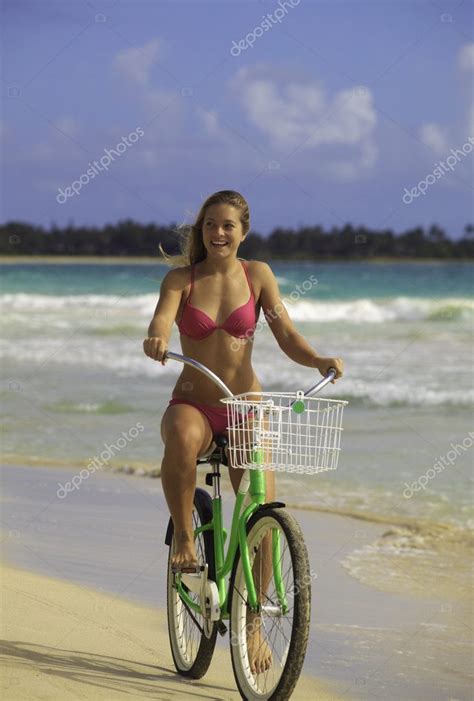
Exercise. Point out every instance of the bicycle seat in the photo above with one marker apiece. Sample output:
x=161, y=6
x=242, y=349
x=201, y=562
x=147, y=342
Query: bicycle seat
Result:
x=219, y=441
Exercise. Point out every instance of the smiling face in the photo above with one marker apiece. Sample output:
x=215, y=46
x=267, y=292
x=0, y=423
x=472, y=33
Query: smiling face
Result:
x=222, y=231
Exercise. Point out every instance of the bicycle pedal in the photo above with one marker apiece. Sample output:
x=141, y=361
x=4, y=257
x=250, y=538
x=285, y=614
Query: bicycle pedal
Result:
x=221, y=628
x=193, y=571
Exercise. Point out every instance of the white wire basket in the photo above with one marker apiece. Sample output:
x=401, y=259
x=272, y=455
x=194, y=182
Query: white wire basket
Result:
x=284, y=431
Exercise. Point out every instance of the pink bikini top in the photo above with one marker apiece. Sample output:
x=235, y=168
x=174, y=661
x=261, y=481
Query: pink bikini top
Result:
x=198, y=325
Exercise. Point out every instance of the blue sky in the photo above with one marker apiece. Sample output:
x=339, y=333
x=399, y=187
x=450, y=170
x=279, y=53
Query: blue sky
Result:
x=324, y=115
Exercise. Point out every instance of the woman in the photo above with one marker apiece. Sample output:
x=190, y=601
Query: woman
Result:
x=215, y=298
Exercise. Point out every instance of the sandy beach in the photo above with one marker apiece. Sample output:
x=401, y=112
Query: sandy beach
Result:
x=63, y=641
x=84, y=604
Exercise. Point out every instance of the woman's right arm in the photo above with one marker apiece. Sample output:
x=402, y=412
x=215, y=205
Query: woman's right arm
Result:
x=159, y=330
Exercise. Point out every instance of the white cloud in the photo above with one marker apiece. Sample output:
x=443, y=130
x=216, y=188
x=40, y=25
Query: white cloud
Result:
x=466, y=57
x=435, y=137
x=225, y=144
x=293, y=114
x=212, y=125
x=210, y=121
x=135, y=63
x=162, y=110
x=466, y=63
x=161, y=103
x=351, y=170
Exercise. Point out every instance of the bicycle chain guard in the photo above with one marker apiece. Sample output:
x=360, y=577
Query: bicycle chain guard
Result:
x=207, y=590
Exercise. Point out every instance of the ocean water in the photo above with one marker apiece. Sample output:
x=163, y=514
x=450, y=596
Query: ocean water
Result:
x=75, y=379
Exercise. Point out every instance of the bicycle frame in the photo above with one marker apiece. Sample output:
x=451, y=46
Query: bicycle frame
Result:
x=252, y=483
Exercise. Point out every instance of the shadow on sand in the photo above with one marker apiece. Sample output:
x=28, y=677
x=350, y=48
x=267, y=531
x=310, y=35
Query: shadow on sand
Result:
x=118, y=675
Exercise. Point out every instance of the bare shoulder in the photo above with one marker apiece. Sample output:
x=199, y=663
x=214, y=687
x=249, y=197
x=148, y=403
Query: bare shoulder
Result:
x=259, y=267
x=177, y=278
x=260, y=271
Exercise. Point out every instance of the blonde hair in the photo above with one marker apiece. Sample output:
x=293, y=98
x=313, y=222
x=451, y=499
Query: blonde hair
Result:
x=191, y=243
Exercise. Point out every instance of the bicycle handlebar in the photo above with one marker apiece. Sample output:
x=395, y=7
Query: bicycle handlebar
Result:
x=199, y=366
x=212, y=376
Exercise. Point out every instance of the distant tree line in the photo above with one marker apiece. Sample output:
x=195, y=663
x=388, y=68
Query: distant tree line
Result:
x=129, y=238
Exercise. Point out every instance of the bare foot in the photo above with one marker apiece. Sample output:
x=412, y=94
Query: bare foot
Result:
x=260, y=656
x=184, y=553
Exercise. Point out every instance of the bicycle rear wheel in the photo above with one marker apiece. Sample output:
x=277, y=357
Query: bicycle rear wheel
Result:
x=283, y=626
x=192, y=637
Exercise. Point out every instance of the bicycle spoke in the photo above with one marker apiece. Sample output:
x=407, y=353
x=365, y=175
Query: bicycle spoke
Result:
x=192, y=638
x=278, y=640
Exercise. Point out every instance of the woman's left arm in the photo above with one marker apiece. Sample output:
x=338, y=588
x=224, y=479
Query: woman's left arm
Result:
x=290, y=341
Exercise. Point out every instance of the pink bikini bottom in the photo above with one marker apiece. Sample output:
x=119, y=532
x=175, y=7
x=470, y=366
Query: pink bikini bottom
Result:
x=217, y=416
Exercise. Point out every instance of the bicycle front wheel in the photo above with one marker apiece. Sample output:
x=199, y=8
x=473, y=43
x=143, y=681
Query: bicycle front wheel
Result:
x=192, y=637
x=268, y=650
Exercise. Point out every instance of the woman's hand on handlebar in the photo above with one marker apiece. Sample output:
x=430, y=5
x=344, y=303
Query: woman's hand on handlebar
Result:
x=155, y=348
x=325, y=364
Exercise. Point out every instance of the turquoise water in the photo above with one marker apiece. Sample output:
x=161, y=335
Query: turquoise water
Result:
x=75, y=376
x=336, y=281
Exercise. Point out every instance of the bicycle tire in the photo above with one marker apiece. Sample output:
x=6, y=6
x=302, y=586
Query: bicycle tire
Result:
x=191, y=659
x=278, y=684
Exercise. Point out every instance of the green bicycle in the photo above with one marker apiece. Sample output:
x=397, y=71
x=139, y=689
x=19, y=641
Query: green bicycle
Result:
x=260, y=585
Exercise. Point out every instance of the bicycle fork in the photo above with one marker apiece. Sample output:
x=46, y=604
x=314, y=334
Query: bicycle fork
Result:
x=252, y=484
